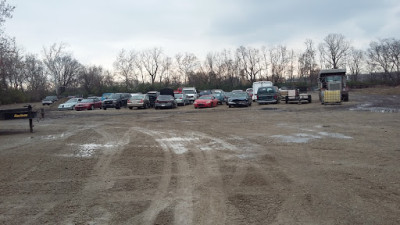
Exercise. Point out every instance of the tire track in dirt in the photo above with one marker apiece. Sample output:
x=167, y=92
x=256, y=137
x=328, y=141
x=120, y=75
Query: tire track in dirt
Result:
x=161, y=199
x=199, y=195
x=101, y=178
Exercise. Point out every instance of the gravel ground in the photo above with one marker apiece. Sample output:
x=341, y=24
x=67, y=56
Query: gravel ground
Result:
x=265, y=164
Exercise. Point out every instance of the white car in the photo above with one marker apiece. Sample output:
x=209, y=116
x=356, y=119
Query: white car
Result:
x=70, y=104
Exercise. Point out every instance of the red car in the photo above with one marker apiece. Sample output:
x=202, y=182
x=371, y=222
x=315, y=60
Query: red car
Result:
x=205, y=101
x=88, y=103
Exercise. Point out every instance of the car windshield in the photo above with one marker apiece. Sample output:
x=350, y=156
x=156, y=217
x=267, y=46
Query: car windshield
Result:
x=72, y=100
x=178, y=95
x=137, y=97
x=114, y=96
x=264, y=90
x=87, y=100
x=188, y=91
x=217, y=95
x=165, y=97
x=206, y=97
x=106, y=95
x=240, y=94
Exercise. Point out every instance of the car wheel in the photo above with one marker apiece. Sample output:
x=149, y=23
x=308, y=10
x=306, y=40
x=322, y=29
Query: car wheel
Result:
x=104, y=108
x=309, y=99
x=230, y=106
x=286, y=99
x=130, y=107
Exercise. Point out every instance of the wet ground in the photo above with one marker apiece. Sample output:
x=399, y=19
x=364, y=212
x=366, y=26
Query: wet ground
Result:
x=266, y=164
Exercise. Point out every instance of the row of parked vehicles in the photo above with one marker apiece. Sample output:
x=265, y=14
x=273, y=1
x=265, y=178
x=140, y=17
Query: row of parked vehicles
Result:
x=165, y=98
x=332, y=86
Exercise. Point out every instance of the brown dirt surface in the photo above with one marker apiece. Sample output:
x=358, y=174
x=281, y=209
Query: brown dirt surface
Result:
x=265, y=164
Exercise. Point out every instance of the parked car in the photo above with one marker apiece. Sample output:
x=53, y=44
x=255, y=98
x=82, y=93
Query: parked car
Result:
x=266, y=95
x=139, y=101
x=88, y=103
x=48, y=100
x=205, y=101
x=237, y=91
x=181, y=99
x=191, y=93
x=220, y=97
x=105, y=96
x=239, y=99
x=214, y=91
x=227, y=96
x=70, y=104
x=152, y=97
x=165, y=101
x=116, y=100
x=205, y=92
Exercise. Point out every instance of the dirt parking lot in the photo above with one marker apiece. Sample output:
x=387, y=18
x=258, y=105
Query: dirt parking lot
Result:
x=266, y=164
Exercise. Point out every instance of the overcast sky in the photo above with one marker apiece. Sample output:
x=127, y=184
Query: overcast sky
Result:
x=96, y=30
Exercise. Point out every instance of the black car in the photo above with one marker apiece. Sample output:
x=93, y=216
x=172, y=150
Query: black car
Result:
x=116, y=100
x=266, y=95
x=239, y=99
x=165, y=101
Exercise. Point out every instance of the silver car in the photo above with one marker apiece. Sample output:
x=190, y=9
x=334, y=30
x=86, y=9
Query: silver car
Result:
x=139, y=101
x=181, y=99
x=70, y=104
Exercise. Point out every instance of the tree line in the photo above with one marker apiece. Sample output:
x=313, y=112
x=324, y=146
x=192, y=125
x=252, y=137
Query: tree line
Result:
x=29, y=77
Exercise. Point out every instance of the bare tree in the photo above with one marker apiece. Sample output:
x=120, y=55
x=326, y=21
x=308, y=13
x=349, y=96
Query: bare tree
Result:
x=36, y=79
x=291, y=67
x=124, y=65
x=10, y=64
x=91, y=79
x=61, y=66
x=186, y=64
x=265, y=61
x=166, y=64
x=5, y=12
x=151, y=61
x=378, y=56
x=355, y=61
x=307, y=62
x=279, y=60
x=333, y=50
x=384, y=56
x=250, y=62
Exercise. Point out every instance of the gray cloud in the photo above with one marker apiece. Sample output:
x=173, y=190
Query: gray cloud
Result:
x=96, y=30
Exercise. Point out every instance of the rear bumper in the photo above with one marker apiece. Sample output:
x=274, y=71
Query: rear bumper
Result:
x=163, y=105
x=135, y=104
x=267, y=101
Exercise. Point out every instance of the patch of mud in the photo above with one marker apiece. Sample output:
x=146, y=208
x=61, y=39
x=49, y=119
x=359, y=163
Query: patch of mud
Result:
x=88, y=150
x=305, y=138
x=296, y=138
x=368, y=107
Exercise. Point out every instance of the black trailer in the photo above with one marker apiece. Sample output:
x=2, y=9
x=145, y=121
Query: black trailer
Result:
x=20, y=113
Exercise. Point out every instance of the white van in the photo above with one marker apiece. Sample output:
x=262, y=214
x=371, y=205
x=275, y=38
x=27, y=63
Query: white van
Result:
x=259, y=84
x=191, y=93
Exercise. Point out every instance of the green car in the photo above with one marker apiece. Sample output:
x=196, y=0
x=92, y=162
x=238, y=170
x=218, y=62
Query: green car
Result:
x=220, y=97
